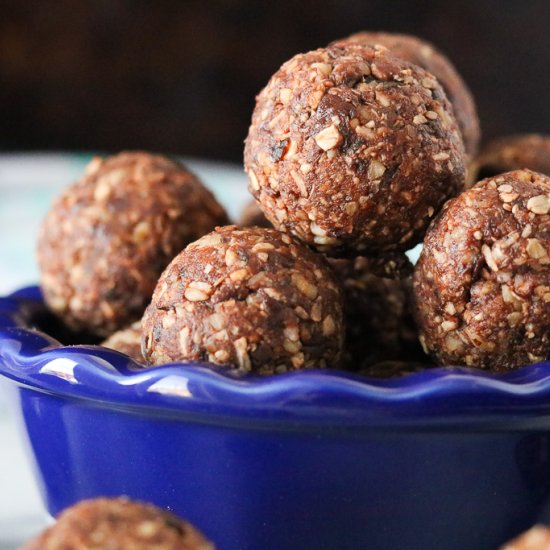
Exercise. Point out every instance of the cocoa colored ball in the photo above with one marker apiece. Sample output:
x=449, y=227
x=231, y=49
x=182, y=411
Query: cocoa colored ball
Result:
x=119, y=524
x=353, y=150
x=127, y=341
x=482, y=283
x=536, y=538
x=530, y=151
x=252, y=299
x=108, y=237
x=378, y=312
x=426, y=55
x=252, y=216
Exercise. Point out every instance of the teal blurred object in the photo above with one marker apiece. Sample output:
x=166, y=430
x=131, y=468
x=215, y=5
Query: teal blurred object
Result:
x=29, y=183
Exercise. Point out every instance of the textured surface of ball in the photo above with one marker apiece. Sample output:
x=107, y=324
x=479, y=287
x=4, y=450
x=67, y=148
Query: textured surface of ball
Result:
x=107, y=238
x=253, y=299
x=482, y=283
x=119, y=524
x=378, y=312
x=426, y=55
x=126, y=340
x=252, y=216
x=353, y=150
x=516, y=152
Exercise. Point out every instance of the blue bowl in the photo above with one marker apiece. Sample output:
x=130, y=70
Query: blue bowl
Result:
x=447, y=458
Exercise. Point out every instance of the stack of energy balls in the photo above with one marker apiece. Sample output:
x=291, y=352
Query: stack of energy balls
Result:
x=356, y=153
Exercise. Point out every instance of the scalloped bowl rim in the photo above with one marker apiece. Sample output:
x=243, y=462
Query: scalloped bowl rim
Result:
x=432, y=397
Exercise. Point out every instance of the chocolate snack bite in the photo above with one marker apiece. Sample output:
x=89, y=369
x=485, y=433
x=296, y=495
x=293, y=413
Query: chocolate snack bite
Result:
x=353, y=150
x=252, y=216
x=536, y=538
x=247, y=298
x=119, y=524
x=425, y=55
x=126, y=340
x=378, y=313
x=482, y=283
x=107, y=238
x=530, y=151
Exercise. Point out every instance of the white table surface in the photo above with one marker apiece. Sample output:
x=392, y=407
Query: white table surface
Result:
x=28, y=183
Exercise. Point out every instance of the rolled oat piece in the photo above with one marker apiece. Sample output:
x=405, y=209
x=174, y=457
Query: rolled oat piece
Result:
x=252, y=216
x=126, y=340
x=378, y=313
x=250, y=298
x=530, y=151
x=353, y=150
x=422, y=53
x=119, y=524
x=107, y=238
x=482, y=283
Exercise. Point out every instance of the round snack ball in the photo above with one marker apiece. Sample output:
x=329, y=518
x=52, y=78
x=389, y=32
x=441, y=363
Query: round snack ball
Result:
x=482, y=283
x=119, y=524
x=530, y=151
x=353, y=150
x=251, y=298
x=252, y=216
x=108, y=237
x=378, y=313
x=126, y=340
x=536, y=538
x=425, y=55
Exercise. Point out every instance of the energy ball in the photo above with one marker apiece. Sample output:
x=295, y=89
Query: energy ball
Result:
x=530, y=151
x=353, y=150
x=252, y=216
x=119, y=524
x=425, y=55
x=482, y=283
x=536, y=538
x=126, y=340
x=250, y=298
x=378, y=313
x=108, y=237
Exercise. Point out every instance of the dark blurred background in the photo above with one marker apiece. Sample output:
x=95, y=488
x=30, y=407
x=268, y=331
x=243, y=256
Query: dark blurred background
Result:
x=181, y=76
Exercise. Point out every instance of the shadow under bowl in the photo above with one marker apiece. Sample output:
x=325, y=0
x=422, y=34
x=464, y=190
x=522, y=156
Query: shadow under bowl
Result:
x=447, y=458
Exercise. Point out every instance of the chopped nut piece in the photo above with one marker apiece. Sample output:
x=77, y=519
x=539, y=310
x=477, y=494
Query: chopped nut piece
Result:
x=376, y=170
x=323, y=68
x=304, y=286
x=535, y=249
x=195, y=295
x=328, y=138
x=420, y=119
x=253, y=180
x=285, y=95
x=539, y=204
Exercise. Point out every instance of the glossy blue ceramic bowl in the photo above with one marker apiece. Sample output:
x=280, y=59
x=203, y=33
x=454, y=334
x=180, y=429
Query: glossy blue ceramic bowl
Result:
x=443, y=459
